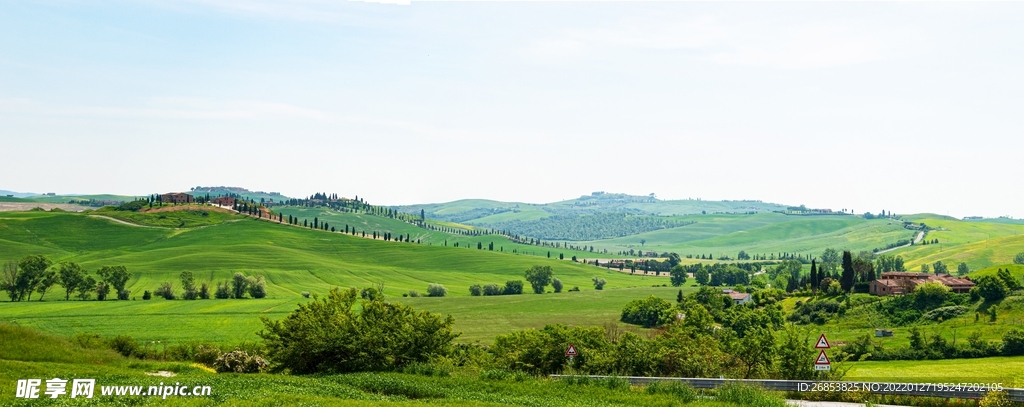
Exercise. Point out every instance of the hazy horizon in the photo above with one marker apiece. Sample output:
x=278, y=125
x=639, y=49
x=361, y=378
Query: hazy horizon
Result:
x=907, y=107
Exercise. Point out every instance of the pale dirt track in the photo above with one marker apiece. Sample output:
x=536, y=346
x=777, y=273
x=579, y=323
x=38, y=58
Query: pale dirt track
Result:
x=27, y=206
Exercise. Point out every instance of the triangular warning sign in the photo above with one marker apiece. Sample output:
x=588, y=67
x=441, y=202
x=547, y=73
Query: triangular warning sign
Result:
x=571, y=351
x=822, y=343
x=822, y=359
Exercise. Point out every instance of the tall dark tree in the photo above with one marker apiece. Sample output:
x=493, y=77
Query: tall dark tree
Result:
x=814, y=277
x=848, y=277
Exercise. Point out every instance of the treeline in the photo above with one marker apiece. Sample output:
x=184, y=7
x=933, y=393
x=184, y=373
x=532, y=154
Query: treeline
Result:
x=588, y=227
x=237, y=287
x=34, y=274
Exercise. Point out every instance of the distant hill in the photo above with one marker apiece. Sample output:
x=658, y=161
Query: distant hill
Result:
x=238, y=192
x=6, y=193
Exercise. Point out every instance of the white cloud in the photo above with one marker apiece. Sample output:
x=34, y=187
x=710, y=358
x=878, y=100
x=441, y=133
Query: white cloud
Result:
x=172, y=108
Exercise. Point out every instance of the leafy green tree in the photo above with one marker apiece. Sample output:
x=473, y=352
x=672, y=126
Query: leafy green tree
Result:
x=1013, y=342
x=557, y=285
x=830, y=261
x=539, y=278
x=990, y=288
x=648, y=312
x=102, y=290
x=257, y=287
x=940, y=268
x=512, y=287
x=1011, y=282
x=328, y=336
x=70, y=276
x=702, y=276
x=48, y=280
x=677, y=275
x=239, y=285
x=188, y=282
x=925, y=268
x=674, y=260
x=116, y=276
x=33, y=271
x=85, y=288
x=1019, y=258
x=436, y=290
x=9, y=281
x=962, y=269
x=599, y=283
x=848, y=277
x=796, y=356
x=476, y=290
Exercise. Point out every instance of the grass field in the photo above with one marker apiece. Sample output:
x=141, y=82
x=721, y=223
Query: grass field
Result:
x=28, y=354
x=292, y=260
x=1006, y=370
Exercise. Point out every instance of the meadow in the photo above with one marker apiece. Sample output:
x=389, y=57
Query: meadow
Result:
x=293, y=260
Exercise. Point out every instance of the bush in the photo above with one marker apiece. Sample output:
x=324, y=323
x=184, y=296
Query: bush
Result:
x=305, y=294
x=995, y=398
x=414, y=293
x=256, y=287
x=436, y=290
x=513, y=287
x=329, y=336
x=223, y=291
x=370, y=293
x=204, y=291
x=238, y=285
x=124, y=295
x=1013, y=342
x=574, y=288
x=557, y=285
x=648, y=312
x=126, y=346
x=599, y=283
x=238, y=361
x=945, y=313
x=146, y=295
x=492, y=289
x=539, y=278
x=990, y=288
x=1019, y=258
x=476, y=290
x=165, y=290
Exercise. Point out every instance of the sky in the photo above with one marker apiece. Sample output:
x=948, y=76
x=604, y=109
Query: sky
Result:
x=906, y=107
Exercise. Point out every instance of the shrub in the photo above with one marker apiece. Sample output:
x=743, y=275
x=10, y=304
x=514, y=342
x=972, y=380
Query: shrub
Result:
x=329, y=336
x=476, y=290
x=165, y=290
x=574, y=288
x=599, y=283
x=305, y=294
x=648, y=312
x=994, y=398
x=945, y=313
x=414, y=293
x=125, y=345
x=146, y=295
x=223, y=291
x=256, y=287
x=238, y=361
x=436, y=290
x=557, y=285
x=124, y=295
x=1013, y=342
x=206, y=354
x=492, y=289
x=1019, y=258
x=370, y=293
x=204, y=291
x=513, y=287
x=238, y=285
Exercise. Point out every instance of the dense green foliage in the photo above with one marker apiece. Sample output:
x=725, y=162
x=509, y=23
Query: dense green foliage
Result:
x=648, y=312
x=587, y=227
x=326, y=335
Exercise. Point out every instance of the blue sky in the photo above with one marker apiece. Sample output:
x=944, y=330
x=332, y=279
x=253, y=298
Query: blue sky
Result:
x=907, y=107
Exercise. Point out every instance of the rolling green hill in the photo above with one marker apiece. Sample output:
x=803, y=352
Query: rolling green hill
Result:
x=292, y=260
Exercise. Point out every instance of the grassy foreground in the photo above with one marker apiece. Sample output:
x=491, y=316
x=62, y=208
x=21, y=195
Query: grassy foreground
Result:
x=36, y=355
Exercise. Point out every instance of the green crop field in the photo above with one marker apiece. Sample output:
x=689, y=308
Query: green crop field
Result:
x=292, y=260
x=1006, y=370
x=979, y=244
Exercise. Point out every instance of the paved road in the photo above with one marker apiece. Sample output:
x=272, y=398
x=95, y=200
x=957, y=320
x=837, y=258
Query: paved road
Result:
x=917, y=240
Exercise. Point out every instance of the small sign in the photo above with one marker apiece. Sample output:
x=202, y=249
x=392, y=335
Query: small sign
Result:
x=822, y=359
x=822, y=343
x=822, y=367
x=571, y=351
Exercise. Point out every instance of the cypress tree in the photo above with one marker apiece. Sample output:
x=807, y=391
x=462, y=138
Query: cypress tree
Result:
x=847, y=278
x=814, y=277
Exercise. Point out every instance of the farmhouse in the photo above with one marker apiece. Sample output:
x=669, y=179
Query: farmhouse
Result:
x=176, y=197
x=737, y=297
x=224, y=201
x=900, y=282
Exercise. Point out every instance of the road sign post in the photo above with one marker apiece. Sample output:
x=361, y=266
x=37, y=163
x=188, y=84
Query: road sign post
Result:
x=571, y=352
x=822, y=362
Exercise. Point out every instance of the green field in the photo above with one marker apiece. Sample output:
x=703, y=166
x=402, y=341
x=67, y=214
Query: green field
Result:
x=1006, y=370
x=292, y=260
